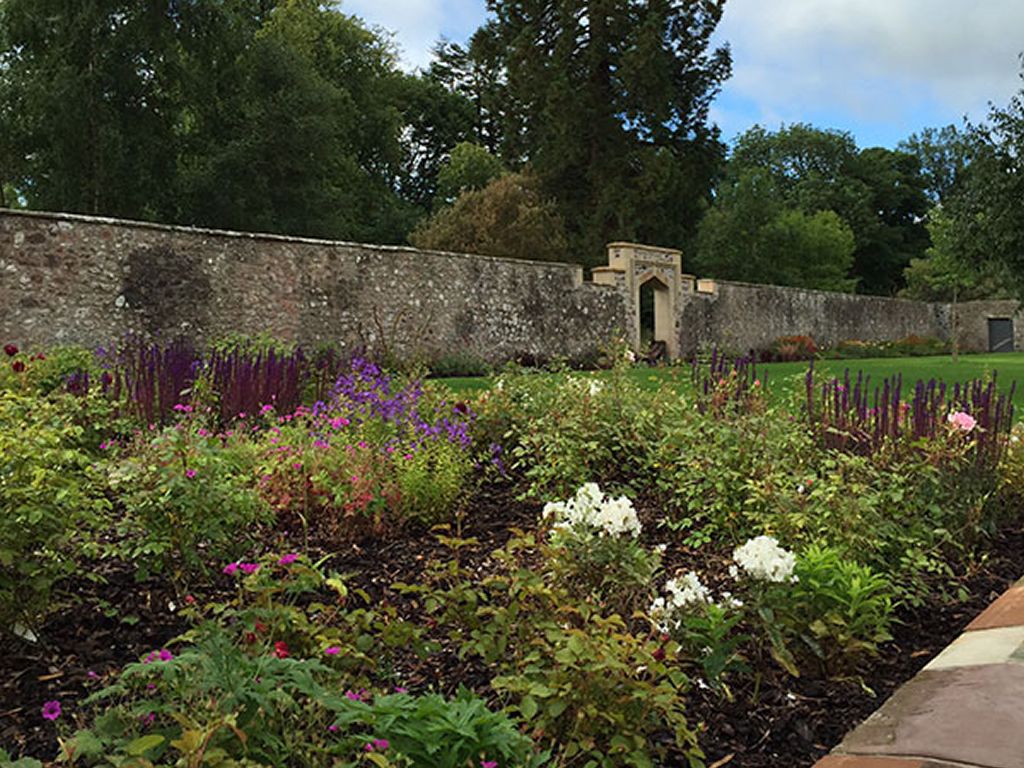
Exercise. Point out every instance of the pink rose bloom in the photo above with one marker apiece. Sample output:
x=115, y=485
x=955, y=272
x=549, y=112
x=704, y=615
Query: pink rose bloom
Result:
x=963, y=421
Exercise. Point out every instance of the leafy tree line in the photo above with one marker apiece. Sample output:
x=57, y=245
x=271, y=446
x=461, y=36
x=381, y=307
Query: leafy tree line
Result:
x=558, y=127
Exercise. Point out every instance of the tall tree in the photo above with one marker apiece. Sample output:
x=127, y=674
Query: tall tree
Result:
x=609, y=101
x=751, y=235
x=877, y=192
x=86, y=84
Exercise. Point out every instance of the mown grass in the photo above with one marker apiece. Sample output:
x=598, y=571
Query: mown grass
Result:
x=787, y=379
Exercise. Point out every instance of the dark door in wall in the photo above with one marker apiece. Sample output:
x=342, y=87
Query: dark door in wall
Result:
x=1000, y=334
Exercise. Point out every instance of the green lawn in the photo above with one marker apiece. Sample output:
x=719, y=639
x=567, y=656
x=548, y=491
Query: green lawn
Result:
x=788, y=377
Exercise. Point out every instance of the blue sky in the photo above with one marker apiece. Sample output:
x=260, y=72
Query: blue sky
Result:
x=881, y=69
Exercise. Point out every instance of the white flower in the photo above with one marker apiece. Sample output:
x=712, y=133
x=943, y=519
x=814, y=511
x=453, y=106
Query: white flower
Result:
x=591, y=511
x=595, y=388
x=800, y=488
x=763, y=559
x=682, y=593
x=629, y=356
x=687, y=591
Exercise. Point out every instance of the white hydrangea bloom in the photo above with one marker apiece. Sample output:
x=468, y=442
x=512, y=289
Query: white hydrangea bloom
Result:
x=763, y=559
x=591, y=509
x=687, y=590
x=682, y=593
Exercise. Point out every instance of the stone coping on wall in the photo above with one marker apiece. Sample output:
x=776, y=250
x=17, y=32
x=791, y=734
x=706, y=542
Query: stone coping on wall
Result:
x=963, y=709
x=266, y=236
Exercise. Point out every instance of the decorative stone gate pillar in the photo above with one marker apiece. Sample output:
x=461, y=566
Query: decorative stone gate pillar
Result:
x=630, y=268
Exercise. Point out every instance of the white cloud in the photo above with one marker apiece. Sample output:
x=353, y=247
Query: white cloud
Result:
x=416, y=24
x=873, y=59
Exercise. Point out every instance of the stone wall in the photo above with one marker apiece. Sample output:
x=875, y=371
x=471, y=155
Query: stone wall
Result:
x=744, y=316
x=84, y=280
x=972, y=323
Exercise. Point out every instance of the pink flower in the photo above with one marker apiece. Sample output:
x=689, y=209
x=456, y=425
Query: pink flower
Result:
x=51, y=710
x=147, y=720
x=488, y=764
x=203, y=432
x=190, y=473
x=339, y=422
x=400, y=689
x=182, y=408
x=378, y=745
x=332, y=728
x=266, y=409
x=249, y=568
x=361, y=696
x=963, y=421
x=288, y=559
x=165, y=655
x=332, y=650
x=230, y=569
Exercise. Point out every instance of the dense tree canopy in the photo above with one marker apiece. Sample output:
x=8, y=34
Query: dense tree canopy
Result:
x=580, y=121
x=877, y=194
x=750, y=235
x=280, y=115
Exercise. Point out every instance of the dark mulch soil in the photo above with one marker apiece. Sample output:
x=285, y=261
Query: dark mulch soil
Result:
x=785, y=722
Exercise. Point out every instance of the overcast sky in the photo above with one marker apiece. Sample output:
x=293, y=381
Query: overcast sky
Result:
x=881, y=69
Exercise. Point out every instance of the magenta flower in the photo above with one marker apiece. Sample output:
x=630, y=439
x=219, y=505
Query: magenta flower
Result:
x=332, y=728
x=182, y=408
x=378, y=745
x=266, y=409
x=361, y=696
x=332, y=650
x=288, y=559
x=488, y=764
x=51, y=710
x=147, y=720
x=165, y=655
x=401, y=689
x=249, y=568
x=230, y=569
x=190, y=473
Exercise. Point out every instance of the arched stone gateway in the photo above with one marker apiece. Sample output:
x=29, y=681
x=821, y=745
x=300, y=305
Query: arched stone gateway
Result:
x=644, y=272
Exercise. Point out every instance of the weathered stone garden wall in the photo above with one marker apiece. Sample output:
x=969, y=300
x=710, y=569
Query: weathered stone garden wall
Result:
x=744, y=316
x=73, y=279
x=85, y=280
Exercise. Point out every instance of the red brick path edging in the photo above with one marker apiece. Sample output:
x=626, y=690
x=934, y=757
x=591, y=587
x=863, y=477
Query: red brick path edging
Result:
x=964, y=710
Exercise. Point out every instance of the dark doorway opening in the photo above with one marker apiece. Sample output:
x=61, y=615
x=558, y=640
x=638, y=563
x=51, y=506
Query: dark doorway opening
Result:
x=1000, y=334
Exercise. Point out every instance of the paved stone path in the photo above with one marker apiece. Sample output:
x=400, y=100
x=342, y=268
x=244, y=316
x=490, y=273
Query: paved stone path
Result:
x=964, y=710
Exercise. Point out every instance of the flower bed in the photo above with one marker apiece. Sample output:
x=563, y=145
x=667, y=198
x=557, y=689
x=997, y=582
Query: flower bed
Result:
x=622, y=577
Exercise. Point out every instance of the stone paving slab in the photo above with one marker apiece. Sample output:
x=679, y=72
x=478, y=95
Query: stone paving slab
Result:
x=1007, y=611
x=857, y=761
x=971, y=715
x=988, y=646
x=964, y=710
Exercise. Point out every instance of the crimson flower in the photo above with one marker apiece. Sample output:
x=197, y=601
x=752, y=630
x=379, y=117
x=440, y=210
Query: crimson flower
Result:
x=281, y=649
x=10, y=349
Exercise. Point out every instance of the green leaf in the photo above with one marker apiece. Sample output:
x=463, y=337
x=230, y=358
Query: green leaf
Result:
x=528, y=707
x=141, y=745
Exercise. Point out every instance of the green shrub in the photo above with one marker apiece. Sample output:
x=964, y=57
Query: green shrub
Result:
x=582, y=682
x=840, y=610
x=190, y=499
x=562, y=431
x=50, y=499
x=275, y=676
x=595, y=552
